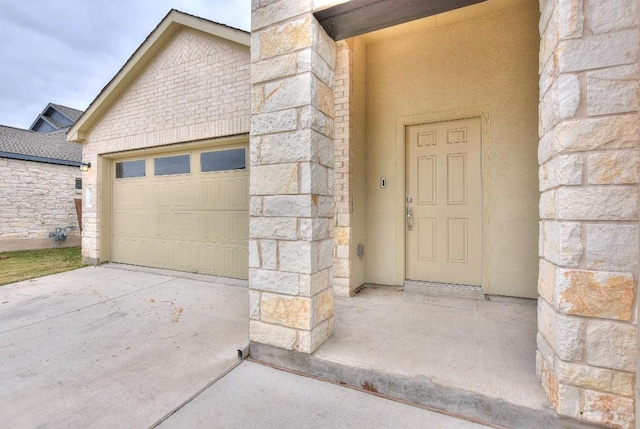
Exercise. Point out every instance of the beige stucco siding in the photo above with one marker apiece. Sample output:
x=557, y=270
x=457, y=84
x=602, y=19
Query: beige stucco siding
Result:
x=486, y=65
x=35, y=199
x=196, y=87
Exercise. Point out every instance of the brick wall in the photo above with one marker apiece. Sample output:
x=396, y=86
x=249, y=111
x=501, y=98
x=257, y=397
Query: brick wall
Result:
x=196, y=88
x=35, y=198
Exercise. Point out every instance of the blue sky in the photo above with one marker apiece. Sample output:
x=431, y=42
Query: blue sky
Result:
x=66, y=51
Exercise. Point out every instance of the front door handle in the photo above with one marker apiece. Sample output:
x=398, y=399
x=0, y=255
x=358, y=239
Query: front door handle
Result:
x=409, y=218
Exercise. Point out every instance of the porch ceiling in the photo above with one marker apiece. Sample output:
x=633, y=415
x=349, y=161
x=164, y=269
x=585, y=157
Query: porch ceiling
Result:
x=358, y=17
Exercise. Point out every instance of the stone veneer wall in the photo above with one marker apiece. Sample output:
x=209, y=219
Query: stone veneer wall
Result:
x=35, y=199
x=589, y=128
x=291, y=184
x=196, y=88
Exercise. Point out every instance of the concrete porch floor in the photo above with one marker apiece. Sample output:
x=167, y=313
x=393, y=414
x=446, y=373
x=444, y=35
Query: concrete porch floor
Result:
x=469, y=358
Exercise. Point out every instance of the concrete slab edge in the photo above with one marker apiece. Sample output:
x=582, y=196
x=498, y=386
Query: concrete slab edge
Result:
x=418, y=391
x=228, y=281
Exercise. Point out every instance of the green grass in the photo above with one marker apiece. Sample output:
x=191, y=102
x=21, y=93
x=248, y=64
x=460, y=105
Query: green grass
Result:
x=29, y=264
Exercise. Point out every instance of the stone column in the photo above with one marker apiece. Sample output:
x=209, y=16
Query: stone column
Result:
x=589, y=128
x=291, y=185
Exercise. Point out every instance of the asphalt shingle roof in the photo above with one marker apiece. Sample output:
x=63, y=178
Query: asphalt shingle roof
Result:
x=50, y=147
x=72, y=113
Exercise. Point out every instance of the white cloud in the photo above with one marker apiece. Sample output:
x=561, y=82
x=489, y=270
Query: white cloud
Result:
x=66, y=51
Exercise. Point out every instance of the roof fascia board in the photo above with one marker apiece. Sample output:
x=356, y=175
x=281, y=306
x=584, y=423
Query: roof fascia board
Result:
x=145, y=53
x=42, y=159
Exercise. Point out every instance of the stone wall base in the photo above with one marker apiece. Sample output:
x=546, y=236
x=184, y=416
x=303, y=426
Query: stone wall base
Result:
x=14, y=244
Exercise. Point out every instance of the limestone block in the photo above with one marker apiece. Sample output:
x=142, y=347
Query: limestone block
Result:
x=254, y=304
x=548, y=42
x=545, y=147
x=289, y=311
x=310, y=60
x=311, y=229
x=585, y=376
x=598, y=51
x=288, y=205
x=562, y=243
x=612, y=15
x=619, y=167
x=312, y=118
x=275, y=122
x=608, y=410
x=548, y=380
x=561, y=170
x=275, y=179
x=548, y=74
x=273, y=228
x=286, y=38
x=274, y=68
x=564, y=334
x=545, y=351
x=312, y=284
x=257, y=99
x=612, y=247
x=547, y=205
x=546, y=11
x=314, y=179
x=566, y=91
x=324, y=305
x=273, y=335
x=342, y=251
x=599, y=294
x=611, y=345
x=254, y=254
x=255, y=206
x=297, y=256
x=570, y=19
x=288, y=93
x=547, y=280
x=324, y=99
x=277, y=11
x=341, y=268
x=274, y=281
x=269, y=254
x=613, y=90
x=597, y=203
x=311, y=340
x=587, y=134
x=324, y=253
x=341, y=235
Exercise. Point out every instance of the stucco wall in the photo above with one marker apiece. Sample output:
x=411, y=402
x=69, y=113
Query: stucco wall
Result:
x=35, y=199
x=488, y=64
x=196, y=88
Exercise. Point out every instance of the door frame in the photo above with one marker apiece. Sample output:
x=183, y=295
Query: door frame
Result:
x=482, y=112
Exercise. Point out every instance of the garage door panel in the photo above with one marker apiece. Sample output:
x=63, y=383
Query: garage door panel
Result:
x=197, y=222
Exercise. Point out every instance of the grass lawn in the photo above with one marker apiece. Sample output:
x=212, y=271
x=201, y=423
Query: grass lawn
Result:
x=29, y=264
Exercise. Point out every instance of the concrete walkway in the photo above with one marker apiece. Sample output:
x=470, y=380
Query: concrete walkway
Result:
x=125, y=347
x=111, y=348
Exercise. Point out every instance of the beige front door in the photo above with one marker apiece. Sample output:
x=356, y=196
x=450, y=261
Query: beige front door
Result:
x=444, y=202
x=183, y=210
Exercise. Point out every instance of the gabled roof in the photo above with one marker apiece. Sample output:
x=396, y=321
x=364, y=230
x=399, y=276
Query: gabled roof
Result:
x=153, y=44
x=69, y=113
x=27, y=145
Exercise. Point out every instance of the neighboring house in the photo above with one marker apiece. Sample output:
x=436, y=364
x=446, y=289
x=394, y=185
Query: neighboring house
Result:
x=492, y=147
x=40, y=180
x=55, y=117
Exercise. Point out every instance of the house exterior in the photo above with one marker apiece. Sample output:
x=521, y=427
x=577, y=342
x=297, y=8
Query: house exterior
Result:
x=40, y=180
x=55, y=117
x=490, y=149
x=167, y=140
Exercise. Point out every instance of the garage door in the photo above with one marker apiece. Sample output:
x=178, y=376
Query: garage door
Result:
x=184, y=210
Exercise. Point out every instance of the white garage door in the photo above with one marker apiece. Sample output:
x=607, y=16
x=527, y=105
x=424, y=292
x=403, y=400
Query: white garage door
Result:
x=184, y=210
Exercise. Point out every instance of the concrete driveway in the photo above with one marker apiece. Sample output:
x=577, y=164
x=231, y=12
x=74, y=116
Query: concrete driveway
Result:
x=112, y=348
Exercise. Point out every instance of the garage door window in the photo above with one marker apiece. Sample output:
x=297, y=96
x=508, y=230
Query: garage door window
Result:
x=127, y=169
x=221, y=160
x=180, y=164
